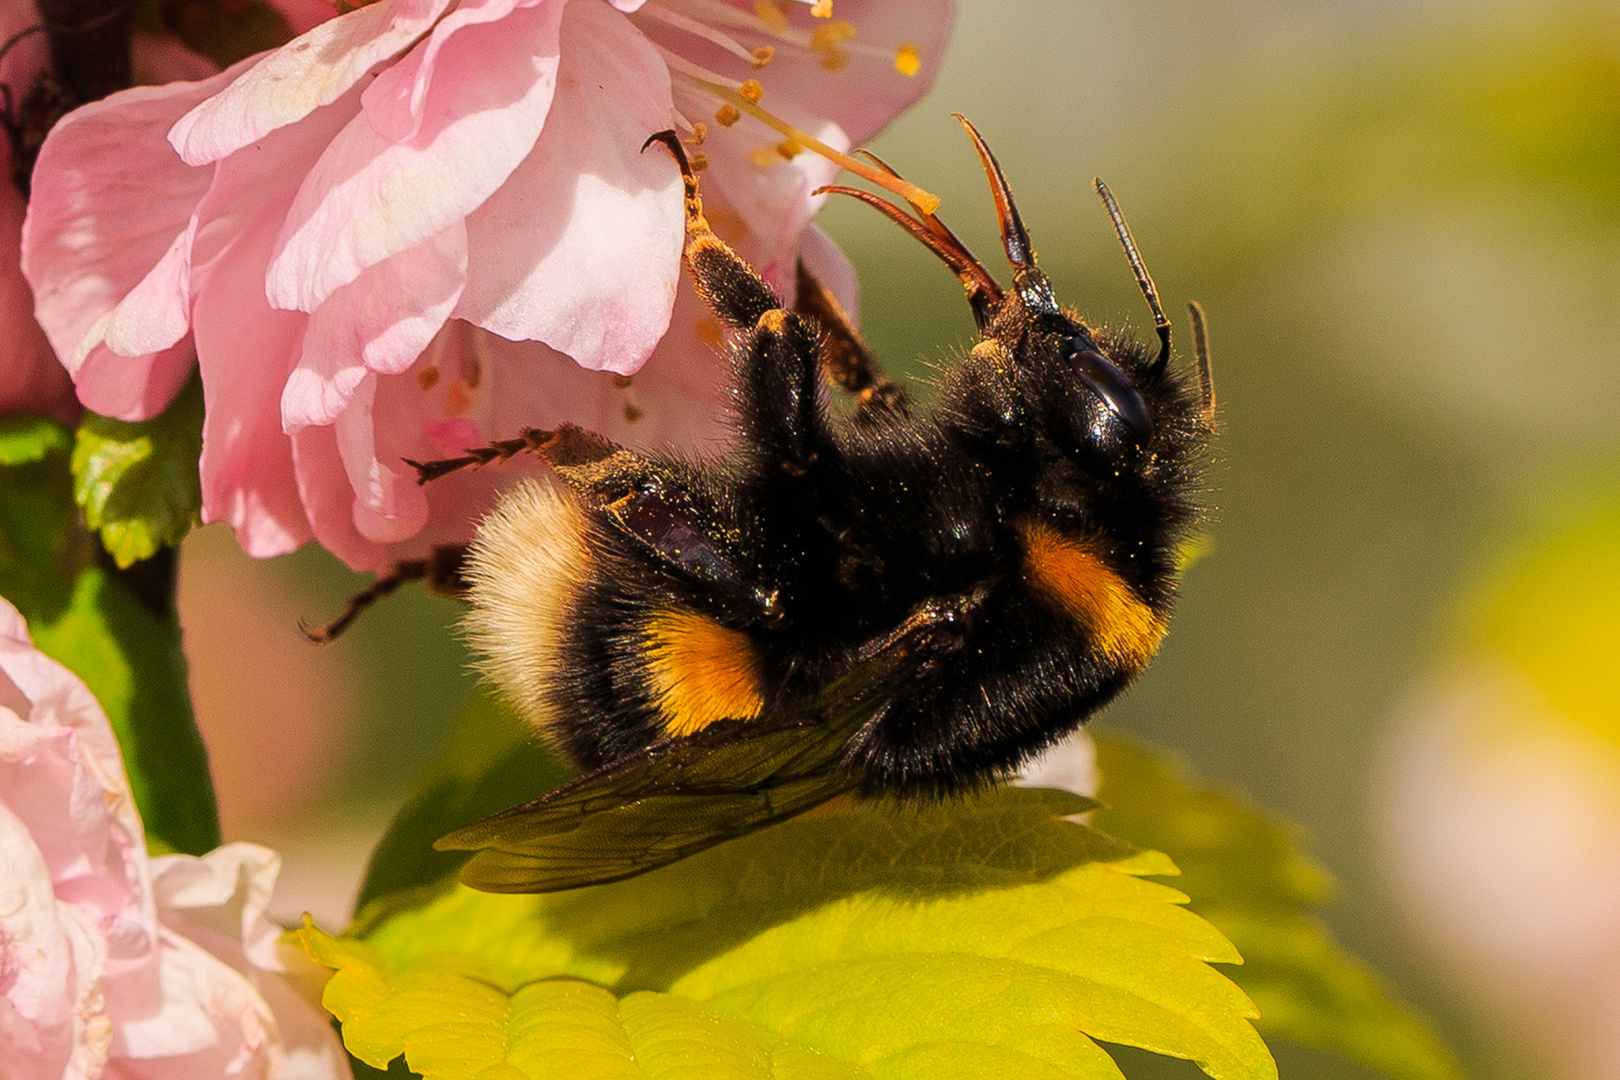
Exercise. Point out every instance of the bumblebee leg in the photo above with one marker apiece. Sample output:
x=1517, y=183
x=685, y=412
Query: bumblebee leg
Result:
x=441, y=572
x=566, y=445
x=848, y=361
x=781, y=367
x=724, y=280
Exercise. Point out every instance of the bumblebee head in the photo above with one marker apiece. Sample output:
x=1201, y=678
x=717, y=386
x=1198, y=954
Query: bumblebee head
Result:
x=1039, y=372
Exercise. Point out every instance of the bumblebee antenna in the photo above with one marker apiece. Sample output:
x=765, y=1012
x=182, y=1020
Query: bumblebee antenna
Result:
x=1143, y=280
x=1013, y=236
x=1206, y=381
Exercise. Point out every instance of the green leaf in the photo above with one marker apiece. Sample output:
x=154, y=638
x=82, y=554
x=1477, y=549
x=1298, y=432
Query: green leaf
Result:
x=138, y=483
x=27, y=439
x=89, y=618
x=984, y=937
x=1245, y=873
x=491, y=760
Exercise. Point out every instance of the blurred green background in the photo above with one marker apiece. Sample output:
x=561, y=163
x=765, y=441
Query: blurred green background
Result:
x=1401, y=218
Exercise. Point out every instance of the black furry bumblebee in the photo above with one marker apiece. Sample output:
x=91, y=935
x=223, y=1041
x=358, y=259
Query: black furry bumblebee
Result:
x=886, y=604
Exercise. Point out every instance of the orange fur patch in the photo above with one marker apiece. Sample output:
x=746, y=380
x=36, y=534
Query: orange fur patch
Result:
x=701, y=672
x=1065, y=571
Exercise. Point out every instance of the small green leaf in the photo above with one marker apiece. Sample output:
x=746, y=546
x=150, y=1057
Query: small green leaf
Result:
x=27, y=439
x=491, y=760
x=1245, y=873
x=138, y=483
x=129, y=654
x=984, y=937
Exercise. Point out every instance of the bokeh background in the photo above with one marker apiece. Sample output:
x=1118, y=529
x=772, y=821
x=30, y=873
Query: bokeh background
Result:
x=1401, y=216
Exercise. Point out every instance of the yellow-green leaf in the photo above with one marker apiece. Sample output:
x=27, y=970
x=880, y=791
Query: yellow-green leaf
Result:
x=138, y=483
x=1246, y=874
x=981, y=938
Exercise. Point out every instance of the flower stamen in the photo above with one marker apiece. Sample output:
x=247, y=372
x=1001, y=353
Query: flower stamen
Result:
x=911, y=193
x=708, y=33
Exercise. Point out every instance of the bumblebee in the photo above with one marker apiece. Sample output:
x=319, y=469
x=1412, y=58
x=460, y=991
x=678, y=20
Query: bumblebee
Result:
x=897, y=602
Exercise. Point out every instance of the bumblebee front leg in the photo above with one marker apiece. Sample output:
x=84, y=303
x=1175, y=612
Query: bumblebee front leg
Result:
x=780, y=360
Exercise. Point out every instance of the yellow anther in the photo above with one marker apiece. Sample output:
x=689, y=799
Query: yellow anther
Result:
x=727, y=114
x=787, y=149
x=700, y=132
x=764, y=157
x=428, y=377
x=821, y=9
x=834, y=59
x=751, y=92
x=907, y=61
x=763, y=55
x=771, y=14
x=621, y=382
x=831, y=35
x=698, y=160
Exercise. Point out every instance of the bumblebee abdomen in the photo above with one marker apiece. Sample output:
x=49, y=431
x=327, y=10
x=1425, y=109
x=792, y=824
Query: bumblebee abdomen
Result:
x=527, y=568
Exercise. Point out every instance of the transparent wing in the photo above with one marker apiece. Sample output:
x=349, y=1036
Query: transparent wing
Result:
x=673, y=801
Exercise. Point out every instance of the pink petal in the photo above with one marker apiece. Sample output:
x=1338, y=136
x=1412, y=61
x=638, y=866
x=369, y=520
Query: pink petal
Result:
x=590, y=269
x=41, y=984
x=827, y=261
x=323, y=485
x=285, y=86
x=380, y=322
x=389, y=505
x=110, y=209
x=368, y=198
x=396, y=100
x=246, y=351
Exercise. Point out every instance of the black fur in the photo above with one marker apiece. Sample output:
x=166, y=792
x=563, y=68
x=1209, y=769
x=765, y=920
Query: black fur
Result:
x=819, y=536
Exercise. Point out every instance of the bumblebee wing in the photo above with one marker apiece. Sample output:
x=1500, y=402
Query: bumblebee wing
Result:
x=675, y=800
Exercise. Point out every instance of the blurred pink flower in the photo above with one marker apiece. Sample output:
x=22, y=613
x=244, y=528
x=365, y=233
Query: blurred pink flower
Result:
x=422, y=225
x=31, y=378
x=113, y=964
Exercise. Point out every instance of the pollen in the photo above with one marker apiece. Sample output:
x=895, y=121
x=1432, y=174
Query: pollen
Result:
x=832, y=35
x=821, y=9
x=709, y=332
x=787, y=149
x=458, y=398
x=907, y=61
x=751, y=92
x=699, y=161
x=727, y=224
x=700, y=133
x=771, y=15
x=727, y=114
x=763, y=55
x=428, y=377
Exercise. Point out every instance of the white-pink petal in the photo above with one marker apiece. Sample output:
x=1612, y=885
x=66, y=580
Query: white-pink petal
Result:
x=246, y=350
x=590, y=266
x=369, y=198
x=313, y=70
x=106, y=220
x=380, y=322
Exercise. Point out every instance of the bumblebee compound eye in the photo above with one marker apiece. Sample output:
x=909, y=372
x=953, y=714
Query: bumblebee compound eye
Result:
x=1124, y=406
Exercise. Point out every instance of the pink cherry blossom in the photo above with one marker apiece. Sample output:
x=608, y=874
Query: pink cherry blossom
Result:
x=113, y=964
x=421, y=225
